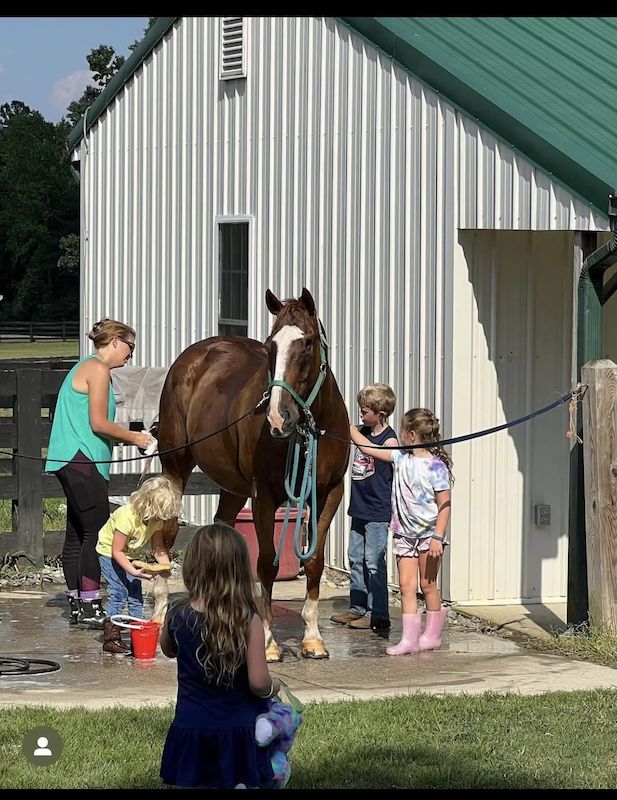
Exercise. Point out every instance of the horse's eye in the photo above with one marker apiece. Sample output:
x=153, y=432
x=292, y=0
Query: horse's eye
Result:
x=308, y=346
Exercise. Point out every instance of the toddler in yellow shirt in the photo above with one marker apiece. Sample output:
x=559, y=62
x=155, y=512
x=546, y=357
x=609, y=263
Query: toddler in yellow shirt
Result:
x=120, y=540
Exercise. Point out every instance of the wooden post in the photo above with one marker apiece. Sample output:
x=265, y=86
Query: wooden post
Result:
x=30, y=472
x=600, y=461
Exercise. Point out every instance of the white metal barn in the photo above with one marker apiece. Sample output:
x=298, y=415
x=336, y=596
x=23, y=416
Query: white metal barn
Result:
x=434, y=182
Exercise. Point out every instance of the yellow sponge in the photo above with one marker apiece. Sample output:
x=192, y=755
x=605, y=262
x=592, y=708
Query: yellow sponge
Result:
x=151, y=567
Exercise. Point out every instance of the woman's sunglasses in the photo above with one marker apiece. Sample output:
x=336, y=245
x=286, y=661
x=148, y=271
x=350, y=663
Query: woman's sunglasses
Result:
x=131, y=345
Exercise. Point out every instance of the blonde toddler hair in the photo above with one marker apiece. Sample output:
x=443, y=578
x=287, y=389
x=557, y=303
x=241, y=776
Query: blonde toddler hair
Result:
x=157, y=498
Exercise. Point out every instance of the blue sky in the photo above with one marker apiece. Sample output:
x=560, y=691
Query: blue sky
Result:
x=43, y=59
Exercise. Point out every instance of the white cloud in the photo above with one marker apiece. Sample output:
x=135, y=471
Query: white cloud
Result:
x=69, y=88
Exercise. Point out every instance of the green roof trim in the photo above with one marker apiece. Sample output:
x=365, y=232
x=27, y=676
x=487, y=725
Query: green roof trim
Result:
x=541, y=84
x=147, y=44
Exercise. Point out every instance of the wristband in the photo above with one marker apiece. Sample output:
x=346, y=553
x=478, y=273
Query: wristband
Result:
x=438, y=538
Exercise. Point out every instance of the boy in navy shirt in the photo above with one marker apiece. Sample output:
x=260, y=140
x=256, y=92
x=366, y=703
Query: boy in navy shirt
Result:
x=369, y=509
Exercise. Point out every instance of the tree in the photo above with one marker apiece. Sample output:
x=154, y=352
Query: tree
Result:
x=10, y=110
x=39, y=205
x=104, y=64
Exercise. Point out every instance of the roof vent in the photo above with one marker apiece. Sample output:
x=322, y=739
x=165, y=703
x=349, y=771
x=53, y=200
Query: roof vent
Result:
x=232, y=48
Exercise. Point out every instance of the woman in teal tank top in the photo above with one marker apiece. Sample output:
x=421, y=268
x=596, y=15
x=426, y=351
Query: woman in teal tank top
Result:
x=83, y=433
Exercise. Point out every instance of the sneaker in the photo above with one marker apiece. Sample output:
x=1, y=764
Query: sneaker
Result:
x=92, y=614
x=346, y=617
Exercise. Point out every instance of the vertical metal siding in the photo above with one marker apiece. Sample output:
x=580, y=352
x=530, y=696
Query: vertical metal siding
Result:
x=357, y=178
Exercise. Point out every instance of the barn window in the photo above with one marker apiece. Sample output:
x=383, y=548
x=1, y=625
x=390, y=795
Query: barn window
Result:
x=233, y=278
x=233, y=48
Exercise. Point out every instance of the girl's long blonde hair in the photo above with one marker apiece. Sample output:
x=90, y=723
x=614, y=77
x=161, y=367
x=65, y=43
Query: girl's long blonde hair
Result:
x=157, y=498
x=218, y=577
x=426, y=425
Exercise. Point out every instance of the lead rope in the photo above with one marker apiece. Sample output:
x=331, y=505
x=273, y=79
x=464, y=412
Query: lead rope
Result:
x=299, y=501
x=309, y=434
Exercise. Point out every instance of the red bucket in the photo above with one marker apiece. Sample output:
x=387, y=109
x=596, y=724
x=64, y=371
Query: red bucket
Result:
x=289, y=564
x=144, y=638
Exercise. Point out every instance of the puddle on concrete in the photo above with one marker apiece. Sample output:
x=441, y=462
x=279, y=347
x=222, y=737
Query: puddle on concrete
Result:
x=37, y=627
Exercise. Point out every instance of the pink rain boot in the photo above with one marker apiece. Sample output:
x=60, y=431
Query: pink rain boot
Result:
x=409, y=639
x=431, y=638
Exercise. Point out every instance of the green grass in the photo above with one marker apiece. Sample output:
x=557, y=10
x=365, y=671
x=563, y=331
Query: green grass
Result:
x=52, y=347
x=596, y=644
x=54, y=514
x=561, y=740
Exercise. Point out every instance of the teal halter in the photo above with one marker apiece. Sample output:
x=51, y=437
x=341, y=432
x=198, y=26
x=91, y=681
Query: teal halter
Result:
x=307, y=432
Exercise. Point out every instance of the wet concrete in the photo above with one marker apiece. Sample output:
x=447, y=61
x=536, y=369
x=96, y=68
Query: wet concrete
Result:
x=35, y=625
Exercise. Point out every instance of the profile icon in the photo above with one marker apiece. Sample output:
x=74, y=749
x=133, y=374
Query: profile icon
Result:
x=42, y=746
x=42, y=749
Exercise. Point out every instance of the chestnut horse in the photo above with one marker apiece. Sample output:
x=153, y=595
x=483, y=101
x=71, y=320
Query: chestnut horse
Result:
x=220, y=380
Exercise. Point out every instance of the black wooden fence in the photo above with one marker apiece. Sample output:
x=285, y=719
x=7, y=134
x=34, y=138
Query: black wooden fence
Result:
x=27, y=400
x=30, y=331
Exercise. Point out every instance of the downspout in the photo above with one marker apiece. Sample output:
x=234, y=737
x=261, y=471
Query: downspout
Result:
x=589, y=348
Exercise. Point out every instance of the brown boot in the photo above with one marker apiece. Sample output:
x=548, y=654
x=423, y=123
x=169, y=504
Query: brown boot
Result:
x=112, y=639
x=346, y=617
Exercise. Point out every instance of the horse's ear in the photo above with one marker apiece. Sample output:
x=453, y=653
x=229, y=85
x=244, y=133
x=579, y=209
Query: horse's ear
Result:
x=273, y=303
x=306, y=298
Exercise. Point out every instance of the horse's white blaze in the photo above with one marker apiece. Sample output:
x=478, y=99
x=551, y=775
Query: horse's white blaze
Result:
x=283, y=339
x=309, y=615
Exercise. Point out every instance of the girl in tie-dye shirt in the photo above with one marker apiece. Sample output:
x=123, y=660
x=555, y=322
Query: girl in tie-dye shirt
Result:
x=420, y=513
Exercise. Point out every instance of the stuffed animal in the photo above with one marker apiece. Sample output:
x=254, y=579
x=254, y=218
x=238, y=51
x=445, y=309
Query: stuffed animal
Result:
x=276, y=730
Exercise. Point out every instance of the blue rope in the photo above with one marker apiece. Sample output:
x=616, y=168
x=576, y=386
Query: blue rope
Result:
x=299, y=501
x=454, y=440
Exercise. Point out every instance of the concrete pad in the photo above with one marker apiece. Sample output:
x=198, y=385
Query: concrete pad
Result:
x=35, y=625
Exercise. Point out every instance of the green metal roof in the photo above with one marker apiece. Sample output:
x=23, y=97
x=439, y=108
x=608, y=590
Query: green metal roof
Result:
x=545, y=85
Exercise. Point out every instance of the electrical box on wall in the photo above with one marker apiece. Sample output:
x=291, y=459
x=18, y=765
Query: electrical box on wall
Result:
x=543, y=514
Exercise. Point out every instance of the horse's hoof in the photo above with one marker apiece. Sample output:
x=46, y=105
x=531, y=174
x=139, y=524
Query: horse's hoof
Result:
x=273, y=653
x=314, y=649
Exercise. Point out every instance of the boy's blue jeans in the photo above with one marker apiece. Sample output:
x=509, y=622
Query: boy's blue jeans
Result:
x=122, y=589
x=368, y=591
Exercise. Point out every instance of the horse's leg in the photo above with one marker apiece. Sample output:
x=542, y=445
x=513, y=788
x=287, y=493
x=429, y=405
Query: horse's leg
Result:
x=160, y=585
x=263, y=517
x=229, y=507
x=312, y=644
x=177, y=467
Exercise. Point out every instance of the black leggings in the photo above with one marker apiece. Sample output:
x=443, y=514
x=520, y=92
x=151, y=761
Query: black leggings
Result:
x=87, y=510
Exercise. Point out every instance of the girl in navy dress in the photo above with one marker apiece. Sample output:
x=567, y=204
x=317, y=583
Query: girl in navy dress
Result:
x=223, y=678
